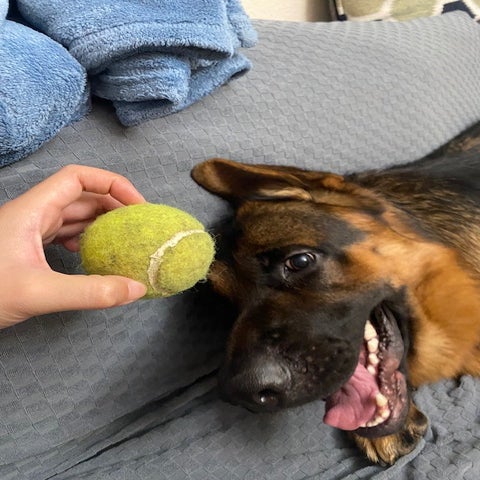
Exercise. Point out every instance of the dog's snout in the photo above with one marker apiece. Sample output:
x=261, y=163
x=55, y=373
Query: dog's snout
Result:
x=261, y=384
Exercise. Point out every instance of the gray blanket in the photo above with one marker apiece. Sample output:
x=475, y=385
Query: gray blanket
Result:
x=130, y=393
x=207, y=439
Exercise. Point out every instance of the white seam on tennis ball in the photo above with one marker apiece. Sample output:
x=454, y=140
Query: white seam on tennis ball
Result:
x=156, y=258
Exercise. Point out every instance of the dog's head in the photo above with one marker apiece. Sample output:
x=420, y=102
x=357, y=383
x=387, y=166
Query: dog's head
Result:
x=318, y=268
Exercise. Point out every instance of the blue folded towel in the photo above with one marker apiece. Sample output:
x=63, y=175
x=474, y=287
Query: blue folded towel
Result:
x=42, y=89
x=202, y=81
x=164, y=53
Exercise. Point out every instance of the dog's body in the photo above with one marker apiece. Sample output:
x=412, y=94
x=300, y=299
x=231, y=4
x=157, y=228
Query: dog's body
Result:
x=351, y=289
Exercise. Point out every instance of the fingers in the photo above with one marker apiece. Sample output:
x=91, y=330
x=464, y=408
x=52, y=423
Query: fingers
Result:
x=72, y=244
x=69, y=236
x=55, y=292
x=75, y=194
x=67, y=185
x=88, y=206
x=77, y=216
x=40, y=291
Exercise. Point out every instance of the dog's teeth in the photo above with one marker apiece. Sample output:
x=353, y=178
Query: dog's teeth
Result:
x=385, y=413
x=381, y=400
x=373, y=359
x=369, y=331
x=378, y=419
x=382, y=412
x=372, y=345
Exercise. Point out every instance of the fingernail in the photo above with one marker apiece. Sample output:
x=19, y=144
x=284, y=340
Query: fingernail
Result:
x=136, y=290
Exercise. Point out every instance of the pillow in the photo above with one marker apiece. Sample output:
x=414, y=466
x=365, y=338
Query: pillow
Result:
x=398, y=10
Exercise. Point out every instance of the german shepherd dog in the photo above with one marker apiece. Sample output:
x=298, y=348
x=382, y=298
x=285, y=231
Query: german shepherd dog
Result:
x=353, y=289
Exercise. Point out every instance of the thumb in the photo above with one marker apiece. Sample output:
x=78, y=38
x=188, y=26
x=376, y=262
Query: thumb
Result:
x=60, y=292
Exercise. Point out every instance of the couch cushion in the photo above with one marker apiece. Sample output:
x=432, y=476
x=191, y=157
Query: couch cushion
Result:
x=399, y=10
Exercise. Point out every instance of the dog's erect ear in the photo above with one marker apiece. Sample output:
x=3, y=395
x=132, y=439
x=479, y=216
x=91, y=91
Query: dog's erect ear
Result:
x=238, y=182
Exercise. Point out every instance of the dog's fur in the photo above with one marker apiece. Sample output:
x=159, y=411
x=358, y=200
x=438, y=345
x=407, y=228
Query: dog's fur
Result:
x=314, y=255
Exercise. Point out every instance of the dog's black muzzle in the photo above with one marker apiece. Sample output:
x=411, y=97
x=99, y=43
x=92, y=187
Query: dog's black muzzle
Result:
x=262, y=383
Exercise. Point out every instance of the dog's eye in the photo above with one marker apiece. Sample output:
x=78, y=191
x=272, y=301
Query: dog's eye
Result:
x=299, y=261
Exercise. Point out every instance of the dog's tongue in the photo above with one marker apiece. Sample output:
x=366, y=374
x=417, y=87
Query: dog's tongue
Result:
x=354, y=404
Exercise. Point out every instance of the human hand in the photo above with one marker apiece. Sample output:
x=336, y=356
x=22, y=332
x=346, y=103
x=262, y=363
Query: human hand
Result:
x=57, y=210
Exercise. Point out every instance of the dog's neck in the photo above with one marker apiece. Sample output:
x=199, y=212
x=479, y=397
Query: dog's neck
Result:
x=440, y=197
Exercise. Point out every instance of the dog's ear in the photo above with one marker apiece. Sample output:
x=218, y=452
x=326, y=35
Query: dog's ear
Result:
x=237, y=182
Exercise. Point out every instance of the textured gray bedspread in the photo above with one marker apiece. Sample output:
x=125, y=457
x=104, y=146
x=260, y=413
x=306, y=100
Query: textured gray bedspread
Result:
x=129, y=393
x=208, y=439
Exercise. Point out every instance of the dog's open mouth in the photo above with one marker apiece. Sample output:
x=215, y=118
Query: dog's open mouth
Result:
x=374, y=401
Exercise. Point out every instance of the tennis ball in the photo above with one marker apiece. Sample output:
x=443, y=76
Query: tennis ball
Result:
x=161, y=246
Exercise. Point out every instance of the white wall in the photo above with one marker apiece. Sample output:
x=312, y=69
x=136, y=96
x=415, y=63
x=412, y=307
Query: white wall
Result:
x=296, y=10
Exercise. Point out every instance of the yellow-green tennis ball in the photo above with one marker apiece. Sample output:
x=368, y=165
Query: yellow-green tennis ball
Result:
x=163, y=247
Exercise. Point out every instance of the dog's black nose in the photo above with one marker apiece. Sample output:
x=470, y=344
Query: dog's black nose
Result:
x=262, y=383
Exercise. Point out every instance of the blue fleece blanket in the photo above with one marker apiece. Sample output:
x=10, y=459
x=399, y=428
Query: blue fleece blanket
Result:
x=3, y=10
x=151, y=58
x=42, y=89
